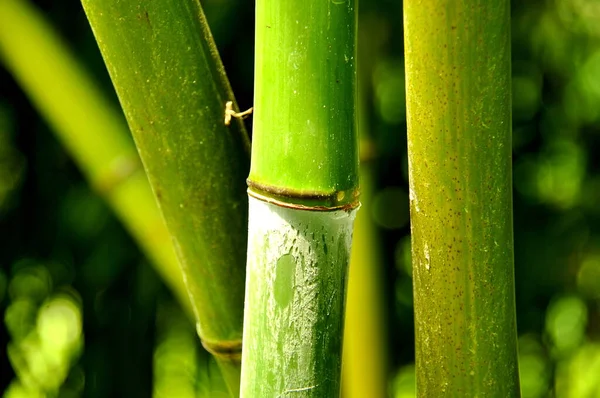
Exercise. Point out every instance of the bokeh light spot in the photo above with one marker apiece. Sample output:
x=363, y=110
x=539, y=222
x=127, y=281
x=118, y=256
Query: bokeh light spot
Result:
x=17, y=390
x=19, y=318
x=533, y=367
x=577, y=376
x=588, y=277
x=526, y=91
x=388, y=80
x=560, y=174
x=31, y=280
x=59, y=324
x=405, y=382
x=566, y=320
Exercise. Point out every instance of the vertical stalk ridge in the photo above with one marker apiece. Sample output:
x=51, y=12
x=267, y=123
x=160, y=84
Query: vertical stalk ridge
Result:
x=459, y=144
x=303, y=189
x=172, y=86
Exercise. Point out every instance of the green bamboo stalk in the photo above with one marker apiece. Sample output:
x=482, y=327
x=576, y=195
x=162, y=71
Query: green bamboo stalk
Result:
x=365, y=363
x=365, y=359
x=172, y=86
x=303, y=189
x=459, y=143
x=93, y=132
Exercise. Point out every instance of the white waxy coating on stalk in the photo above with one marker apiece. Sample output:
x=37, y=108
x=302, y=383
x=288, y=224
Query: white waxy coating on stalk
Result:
x=295, y=296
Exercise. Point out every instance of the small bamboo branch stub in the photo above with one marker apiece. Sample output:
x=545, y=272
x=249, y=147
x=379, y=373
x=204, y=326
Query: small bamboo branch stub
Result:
x=229, y=113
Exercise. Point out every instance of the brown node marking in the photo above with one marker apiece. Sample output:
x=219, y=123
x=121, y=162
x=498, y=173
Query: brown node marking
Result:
x=229, y=350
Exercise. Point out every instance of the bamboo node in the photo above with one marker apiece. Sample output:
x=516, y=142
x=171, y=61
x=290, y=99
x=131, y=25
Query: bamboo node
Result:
x=230, y=350
x=229, y=113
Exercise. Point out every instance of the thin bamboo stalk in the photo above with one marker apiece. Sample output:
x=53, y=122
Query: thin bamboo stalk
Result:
x=303, y=189
x=365, y=368
x=459, y=143
x=91, y=130
x=173, y=89
x=365, y=360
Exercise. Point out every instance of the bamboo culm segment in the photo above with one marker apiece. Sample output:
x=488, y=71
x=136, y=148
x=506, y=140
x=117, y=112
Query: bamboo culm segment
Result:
x=459, y=145
x=364, y=372
x=304, y=147
x=295, y=296
x=172, y=86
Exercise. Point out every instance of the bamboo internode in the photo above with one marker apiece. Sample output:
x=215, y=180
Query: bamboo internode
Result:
x=196, y=164
x=459, y=146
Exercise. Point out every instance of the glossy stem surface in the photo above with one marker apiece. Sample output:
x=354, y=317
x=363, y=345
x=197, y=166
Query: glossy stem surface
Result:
x=304, y=147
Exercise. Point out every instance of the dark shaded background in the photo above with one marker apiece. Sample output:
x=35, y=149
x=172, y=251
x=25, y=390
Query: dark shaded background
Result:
x=60, y=244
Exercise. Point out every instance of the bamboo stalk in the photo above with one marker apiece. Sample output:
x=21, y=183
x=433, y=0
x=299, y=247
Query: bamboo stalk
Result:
x=365, y=360
x=365, y=365
x=91, y=130
x=303, y=189
x=459, y=143
x=173, y=89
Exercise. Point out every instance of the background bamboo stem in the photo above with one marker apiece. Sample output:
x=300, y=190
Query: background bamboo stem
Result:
x=365, y=360
x=92, y=131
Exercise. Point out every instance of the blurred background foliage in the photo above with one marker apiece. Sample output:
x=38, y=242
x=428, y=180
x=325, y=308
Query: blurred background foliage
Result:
x=84, y=314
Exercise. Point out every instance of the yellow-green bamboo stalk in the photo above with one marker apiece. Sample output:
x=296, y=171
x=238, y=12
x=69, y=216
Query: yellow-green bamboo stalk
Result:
x=365, y=359
x=93, y=132
x=459, y=145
